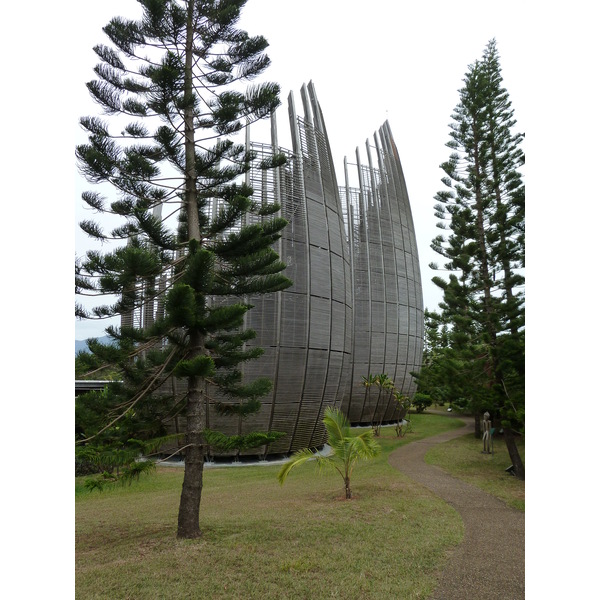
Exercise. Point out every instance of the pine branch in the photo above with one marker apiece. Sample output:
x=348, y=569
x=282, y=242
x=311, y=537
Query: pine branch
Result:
x=139, y=396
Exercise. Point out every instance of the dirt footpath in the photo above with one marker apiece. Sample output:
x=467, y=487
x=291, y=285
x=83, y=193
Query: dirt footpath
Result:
x=490, y=562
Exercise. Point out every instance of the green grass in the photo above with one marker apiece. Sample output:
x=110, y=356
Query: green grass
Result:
x=296, y=541
x=462, y=457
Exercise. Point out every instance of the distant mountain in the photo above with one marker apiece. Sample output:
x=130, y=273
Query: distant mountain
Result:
x=82, y=344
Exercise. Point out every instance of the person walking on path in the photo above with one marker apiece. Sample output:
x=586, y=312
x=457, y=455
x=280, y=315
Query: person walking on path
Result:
x=489, y=564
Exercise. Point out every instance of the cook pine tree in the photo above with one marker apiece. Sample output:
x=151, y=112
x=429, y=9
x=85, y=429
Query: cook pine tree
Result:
x=483, y=210
x=176, y=87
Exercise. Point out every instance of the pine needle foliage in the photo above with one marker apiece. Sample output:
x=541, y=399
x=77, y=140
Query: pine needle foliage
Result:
x=176, y=87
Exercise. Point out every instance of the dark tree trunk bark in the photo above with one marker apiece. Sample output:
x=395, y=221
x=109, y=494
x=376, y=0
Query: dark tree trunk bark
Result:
x=188, y=523
x=478, y=426
x=513, y=452
x=348, y=490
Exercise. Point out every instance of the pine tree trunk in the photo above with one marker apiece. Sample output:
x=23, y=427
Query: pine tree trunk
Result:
x=513, y=452
x=188, y=524
x=188, y=521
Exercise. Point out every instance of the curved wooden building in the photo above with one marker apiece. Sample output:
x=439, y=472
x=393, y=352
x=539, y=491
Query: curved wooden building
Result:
x=386, y=281
x=355, y=307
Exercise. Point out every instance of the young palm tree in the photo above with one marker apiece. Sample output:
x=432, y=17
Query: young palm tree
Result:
x=403, y=404
x=369, y=381
x=346, y=449
x=383, y=382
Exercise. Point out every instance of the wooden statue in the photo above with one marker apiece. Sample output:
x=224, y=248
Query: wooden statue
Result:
x=487, y=434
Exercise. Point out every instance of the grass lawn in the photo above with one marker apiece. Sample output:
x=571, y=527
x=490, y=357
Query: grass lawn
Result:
x=462, y=458
x=296, y=541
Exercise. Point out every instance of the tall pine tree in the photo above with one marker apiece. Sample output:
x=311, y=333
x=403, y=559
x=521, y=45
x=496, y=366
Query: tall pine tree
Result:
x=175, y=86
x=483, y=208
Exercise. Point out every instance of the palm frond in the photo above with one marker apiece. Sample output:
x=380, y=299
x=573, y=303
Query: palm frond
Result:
x=337, y=426
x=298, y=458
x=365, y=444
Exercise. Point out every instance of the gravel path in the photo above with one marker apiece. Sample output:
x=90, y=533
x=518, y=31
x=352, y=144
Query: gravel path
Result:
x=489, y=564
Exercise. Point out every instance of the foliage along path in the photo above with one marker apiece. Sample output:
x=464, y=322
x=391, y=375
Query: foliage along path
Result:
x=490, y=561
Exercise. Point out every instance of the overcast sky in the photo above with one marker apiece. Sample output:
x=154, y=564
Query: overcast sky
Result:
x=403, y=63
